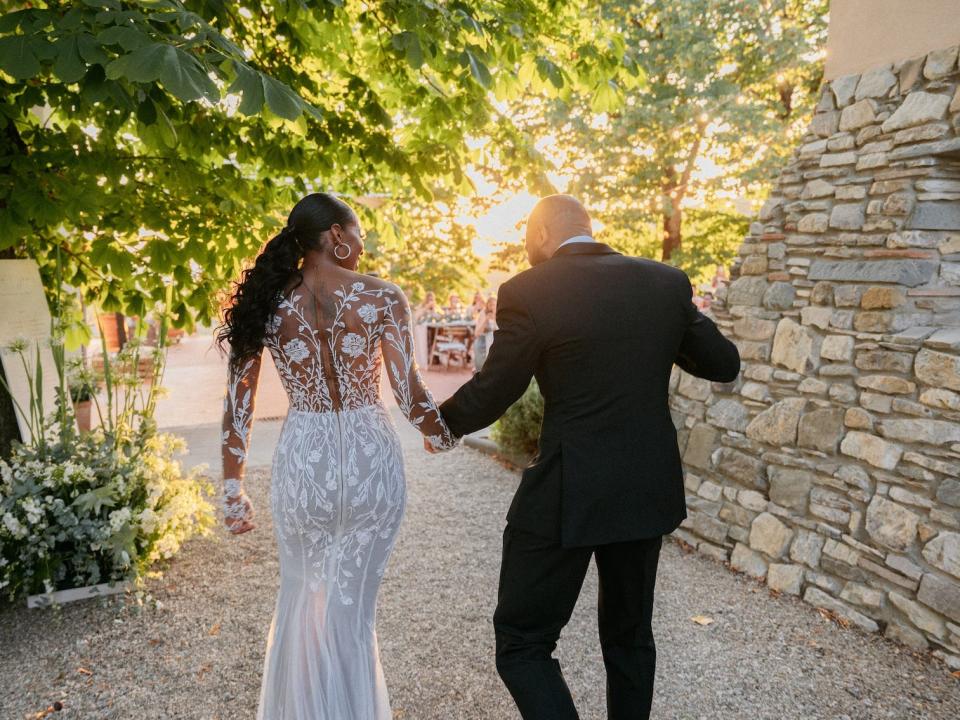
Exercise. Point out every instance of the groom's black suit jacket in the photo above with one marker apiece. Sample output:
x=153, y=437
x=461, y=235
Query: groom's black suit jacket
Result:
x=601, y=332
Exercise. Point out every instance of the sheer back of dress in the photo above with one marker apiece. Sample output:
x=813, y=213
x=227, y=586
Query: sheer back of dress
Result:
x=329, y=348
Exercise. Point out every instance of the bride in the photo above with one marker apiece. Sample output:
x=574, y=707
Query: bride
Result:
x=337, y=483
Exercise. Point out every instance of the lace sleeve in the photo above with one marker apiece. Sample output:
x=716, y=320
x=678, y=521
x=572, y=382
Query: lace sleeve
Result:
x=238, y=404
x=412, y=395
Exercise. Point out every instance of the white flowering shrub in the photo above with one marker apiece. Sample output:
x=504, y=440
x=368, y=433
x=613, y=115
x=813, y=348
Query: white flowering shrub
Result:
x=93, y=508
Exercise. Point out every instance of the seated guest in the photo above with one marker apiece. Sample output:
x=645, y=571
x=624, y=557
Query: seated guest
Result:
x=483, y=332
x=427, y=310
x=454, y=307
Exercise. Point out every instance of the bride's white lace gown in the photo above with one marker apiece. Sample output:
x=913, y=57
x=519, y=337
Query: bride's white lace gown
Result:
x=337, y=493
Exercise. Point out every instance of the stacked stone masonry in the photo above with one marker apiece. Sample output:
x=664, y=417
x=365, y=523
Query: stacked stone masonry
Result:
x=831, y=467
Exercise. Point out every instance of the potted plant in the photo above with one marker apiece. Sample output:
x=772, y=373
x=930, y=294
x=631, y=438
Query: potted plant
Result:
x=84, y=384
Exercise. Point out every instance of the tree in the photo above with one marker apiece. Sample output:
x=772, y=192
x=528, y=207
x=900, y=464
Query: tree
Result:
x=424, y=247
x=157, y=143
x=731, y=81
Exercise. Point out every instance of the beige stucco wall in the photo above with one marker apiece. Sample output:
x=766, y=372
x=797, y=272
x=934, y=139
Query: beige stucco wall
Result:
x=867, y=33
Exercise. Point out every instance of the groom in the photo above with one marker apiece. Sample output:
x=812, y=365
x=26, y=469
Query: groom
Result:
x=601, y=332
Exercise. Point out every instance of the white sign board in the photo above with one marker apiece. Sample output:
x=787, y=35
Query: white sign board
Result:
x=24, y=315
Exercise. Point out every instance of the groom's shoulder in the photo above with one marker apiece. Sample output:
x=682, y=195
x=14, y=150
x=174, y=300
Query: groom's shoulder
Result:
x=645, y=269
x=524, y=281
x=657, y=270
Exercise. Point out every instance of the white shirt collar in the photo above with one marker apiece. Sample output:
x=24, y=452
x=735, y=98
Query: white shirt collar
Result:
x=577, y=239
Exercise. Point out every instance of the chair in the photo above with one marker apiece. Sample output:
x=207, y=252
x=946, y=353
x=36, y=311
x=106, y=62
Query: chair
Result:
x=450, y=344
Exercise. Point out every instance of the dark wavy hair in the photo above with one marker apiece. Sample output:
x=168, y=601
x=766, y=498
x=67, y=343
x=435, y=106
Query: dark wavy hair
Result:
x=260, y=289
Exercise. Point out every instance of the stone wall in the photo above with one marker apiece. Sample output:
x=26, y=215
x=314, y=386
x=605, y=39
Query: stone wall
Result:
x=831, y=467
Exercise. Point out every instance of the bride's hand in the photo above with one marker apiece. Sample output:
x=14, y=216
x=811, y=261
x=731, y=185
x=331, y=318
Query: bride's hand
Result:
x=429, y=447
x=238, y=513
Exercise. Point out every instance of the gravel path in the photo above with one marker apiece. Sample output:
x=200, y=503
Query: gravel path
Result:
x=199, y=654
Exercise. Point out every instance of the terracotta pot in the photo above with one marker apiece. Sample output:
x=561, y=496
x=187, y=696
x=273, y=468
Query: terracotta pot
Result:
x=82, y=409
x=114, y=330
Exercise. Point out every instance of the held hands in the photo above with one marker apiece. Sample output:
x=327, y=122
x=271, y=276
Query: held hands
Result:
x=428, y=446
x=237, y=508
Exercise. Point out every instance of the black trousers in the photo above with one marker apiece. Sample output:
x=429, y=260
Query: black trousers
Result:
x=539, y=585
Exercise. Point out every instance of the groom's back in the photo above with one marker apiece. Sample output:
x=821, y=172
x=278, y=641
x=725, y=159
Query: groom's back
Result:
x=609, y=329
x=601, y=332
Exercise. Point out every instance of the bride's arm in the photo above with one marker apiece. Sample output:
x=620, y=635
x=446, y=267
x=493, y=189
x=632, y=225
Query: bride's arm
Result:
x=412, y=395
x=238, y=404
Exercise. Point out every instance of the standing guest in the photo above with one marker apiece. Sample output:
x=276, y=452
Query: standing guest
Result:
x=479, y=303
x=483, y=332
x=424, y=313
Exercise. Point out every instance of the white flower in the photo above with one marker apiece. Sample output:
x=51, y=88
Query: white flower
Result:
x=33, y=511
x=14, y=526
x=357, y=286
x=296, y=350
x=353, y=344
x=118, y=518
x=368, y=313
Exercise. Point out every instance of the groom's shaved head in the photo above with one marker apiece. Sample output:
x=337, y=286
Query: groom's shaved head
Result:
x=553, y=220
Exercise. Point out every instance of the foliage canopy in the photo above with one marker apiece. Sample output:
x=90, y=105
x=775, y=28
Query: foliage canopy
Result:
x=158, y=142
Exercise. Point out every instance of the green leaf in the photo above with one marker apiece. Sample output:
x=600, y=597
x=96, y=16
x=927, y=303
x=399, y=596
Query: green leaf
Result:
x=129, y=38
x=250, y=85
x=478, y=69
x=414, y=53
x=95, y=499
x=11, y=230
x=184, y=76
x=109, y=4
x=141, y=66
x=168, y=133
x=69, y=66
x=606, y=97
x=548, y=70
x=17, y=57
x=281, y=100
x=161, y=254
x=409, y=43
x=16, y=20
x=90, y=49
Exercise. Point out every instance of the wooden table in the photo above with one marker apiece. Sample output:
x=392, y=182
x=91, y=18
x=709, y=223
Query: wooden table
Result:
x=466, y=326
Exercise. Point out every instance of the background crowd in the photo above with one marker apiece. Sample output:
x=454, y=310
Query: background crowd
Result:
x=454, y=333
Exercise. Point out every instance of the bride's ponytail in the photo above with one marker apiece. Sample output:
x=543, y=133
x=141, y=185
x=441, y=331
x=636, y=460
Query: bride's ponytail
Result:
x=260, y=289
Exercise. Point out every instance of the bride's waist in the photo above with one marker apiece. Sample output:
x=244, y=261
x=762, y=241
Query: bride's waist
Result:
x=372, y=407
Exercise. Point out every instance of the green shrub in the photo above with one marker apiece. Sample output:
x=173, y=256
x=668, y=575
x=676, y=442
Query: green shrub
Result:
x=517, y=432
x=94, y=509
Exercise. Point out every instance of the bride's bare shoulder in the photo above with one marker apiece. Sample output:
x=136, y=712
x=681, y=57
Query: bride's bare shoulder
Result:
x=384, y=287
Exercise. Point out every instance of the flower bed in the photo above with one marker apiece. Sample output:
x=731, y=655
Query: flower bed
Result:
x=96, y=509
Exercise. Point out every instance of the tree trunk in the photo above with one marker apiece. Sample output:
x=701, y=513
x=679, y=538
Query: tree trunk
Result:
x=672, y=224
x=674, y=190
